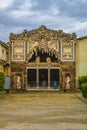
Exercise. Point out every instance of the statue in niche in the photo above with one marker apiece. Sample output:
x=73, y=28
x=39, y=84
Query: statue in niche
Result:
x=18, y=82
x=67, y=81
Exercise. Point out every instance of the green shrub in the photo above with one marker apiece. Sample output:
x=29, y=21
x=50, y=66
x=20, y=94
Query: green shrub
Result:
x=84, y=89
x=2, y=80
x=82, y=79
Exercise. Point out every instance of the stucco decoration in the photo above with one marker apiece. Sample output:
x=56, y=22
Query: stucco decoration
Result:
x=46, y=47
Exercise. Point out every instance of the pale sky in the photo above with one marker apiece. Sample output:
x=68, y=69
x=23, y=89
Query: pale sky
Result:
x=18, y=15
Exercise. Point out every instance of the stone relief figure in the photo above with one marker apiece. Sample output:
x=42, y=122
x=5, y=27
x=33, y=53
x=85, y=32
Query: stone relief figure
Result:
x=37, y=59
x=18, y=82
x=67, y=81
x=48, y=59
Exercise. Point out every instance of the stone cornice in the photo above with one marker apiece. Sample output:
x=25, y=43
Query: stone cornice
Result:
x=3, y=44
x=42, y=31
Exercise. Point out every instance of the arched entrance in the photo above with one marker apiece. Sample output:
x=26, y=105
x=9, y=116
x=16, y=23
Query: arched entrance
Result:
x=43, y=69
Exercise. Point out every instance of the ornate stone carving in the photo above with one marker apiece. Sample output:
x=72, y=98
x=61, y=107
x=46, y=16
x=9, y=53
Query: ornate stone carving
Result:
x=18, y=82
x=53, y=43
x=18, y=50
x=37, y=60
x=48, y=60
x=67, y=52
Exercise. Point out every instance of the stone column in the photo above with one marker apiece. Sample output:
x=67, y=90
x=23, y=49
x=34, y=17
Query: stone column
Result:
x=37, y=77
x=37, y=73
x=48, y=77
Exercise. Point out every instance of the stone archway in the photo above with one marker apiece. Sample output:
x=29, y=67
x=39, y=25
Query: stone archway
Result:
x=43, y=56
x=46, y=49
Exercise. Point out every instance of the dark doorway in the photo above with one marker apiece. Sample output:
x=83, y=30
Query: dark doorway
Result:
x=31, y=77
x=54, y=76
x=43, y=77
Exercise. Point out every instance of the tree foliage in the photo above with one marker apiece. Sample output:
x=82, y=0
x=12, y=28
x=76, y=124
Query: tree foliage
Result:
x=83, y=85
x=82, y=79
x=2, y=81
x=84, y=89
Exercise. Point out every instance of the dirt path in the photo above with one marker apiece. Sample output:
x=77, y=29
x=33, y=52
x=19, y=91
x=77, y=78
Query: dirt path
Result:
x=42, y=111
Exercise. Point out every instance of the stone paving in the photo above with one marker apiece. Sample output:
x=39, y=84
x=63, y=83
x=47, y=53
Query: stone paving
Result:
x=42, y=111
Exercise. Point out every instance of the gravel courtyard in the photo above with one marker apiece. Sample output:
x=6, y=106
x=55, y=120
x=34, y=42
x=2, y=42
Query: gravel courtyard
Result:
x=42, y=111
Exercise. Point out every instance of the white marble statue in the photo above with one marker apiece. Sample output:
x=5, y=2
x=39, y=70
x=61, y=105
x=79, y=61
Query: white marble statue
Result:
x=68, y=82
x=18, y=82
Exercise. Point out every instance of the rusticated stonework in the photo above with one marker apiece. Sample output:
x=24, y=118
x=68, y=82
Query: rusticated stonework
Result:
x=40, y=53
